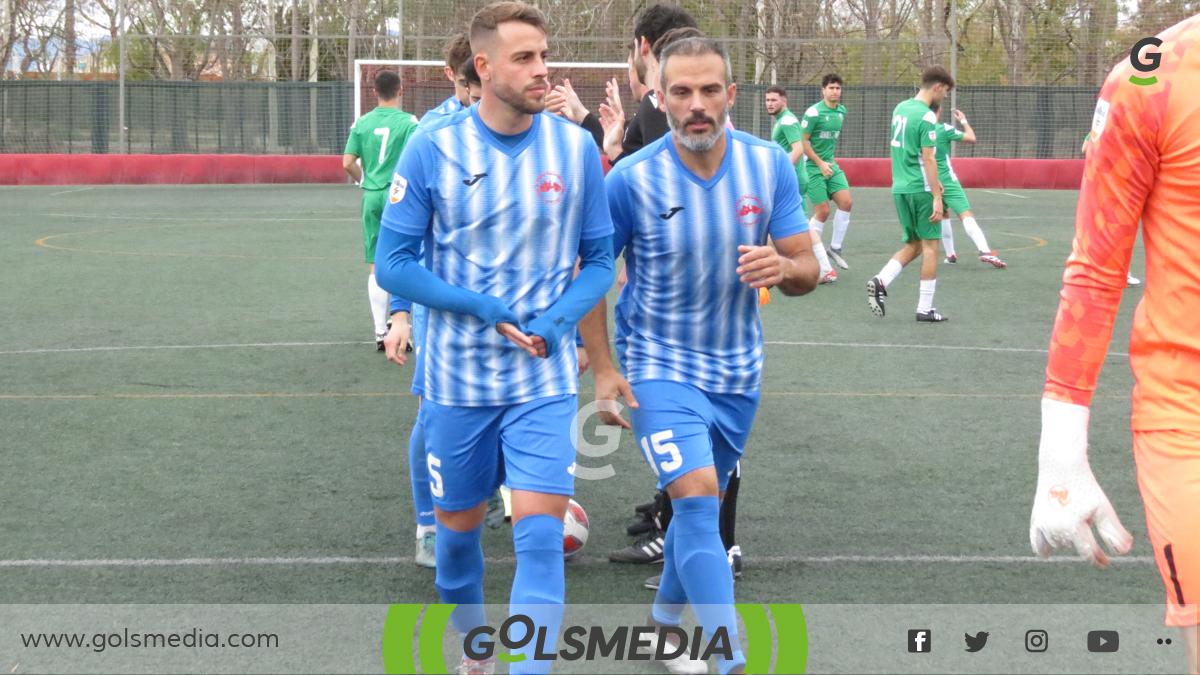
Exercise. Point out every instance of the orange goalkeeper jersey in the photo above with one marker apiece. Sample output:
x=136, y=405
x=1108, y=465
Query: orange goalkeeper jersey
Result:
x=1143, y=164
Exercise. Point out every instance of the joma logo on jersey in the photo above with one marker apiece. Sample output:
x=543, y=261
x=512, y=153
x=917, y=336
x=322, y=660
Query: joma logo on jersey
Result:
x=749, y=210
x=550, y=187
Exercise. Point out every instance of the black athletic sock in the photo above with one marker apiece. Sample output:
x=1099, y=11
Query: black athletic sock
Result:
x=662, y=510
x=729, y=508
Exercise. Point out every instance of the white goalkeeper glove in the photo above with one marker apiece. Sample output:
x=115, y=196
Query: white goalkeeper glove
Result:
x=1068, y=499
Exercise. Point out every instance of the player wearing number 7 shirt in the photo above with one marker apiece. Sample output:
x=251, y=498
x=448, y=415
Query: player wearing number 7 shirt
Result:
x=377, y=138
x=1143, y=164
x=692, y=212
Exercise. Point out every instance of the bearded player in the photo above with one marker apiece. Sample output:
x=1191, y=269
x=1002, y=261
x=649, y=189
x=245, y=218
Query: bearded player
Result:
x=1143, y=165
x=692, y=213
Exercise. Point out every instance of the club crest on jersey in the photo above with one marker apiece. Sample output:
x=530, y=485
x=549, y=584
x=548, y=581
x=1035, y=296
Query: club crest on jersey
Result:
x=749, y=210
x=550, y=187
x=399, y=186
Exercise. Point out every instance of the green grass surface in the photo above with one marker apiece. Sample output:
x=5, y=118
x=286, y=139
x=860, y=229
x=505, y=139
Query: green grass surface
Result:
x=300, y=451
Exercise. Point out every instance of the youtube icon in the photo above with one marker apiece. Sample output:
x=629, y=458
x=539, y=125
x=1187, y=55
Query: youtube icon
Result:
x=1103, y=641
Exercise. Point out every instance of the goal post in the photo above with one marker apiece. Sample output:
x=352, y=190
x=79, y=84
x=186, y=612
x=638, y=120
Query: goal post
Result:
x=425, y=84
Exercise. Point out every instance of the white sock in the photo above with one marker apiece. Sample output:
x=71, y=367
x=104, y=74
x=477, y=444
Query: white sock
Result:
x=889, y=272
x=976, y=234
x=927, y=287
x=817, y=226
x=422, y=530
x=379, y=304
x=841, y=223
x=947, y=237
x=822, y=257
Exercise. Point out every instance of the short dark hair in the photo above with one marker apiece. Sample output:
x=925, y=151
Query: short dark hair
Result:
x=829, y=79
x=936, y=75
x=457, y=51
x=694, y=46
x=471, y=75
x=936, y=108
x=776, y=89
x=654, y=21
x=387, y=84
x=487, y=20
x=673, y=35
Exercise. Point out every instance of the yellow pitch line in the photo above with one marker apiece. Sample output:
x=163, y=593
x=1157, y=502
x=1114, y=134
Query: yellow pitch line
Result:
x=862, y=394
x=1038, y=242
x=43, y=243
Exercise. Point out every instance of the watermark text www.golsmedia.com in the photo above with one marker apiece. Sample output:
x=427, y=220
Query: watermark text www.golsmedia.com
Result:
x=98, y=642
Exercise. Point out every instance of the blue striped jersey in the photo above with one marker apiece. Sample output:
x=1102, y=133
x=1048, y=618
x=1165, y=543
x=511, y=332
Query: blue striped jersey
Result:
x=447, y=107
x=685, y=315
x=500, y=215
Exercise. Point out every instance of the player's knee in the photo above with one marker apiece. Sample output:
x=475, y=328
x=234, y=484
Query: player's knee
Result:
x=461, y=521
x=700, y=482
x=821, y=211
x=846, y=204
x=527, y=503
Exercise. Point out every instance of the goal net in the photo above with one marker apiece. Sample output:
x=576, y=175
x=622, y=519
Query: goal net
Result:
x=425, y=84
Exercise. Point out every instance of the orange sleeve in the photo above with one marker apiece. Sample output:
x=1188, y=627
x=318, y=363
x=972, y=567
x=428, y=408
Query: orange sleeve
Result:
x=1119, y=173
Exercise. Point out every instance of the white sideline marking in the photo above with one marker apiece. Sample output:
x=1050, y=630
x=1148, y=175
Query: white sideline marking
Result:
x=871, y=345
x=1006, y=194
x=895, y=346
x=229, y=346
x=347, y=560
x=67, y=192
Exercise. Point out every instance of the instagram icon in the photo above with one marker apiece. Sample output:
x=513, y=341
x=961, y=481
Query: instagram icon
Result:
x=1036, y=641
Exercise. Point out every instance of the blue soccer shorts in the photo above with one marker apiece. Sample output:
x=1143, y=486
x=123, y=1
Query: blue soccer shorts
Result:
x=473, y=450
x=680, y=428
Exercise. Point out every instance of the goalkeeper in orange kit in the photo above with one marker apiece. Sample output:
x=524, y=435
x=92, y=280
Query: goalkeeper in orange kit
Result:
x=1143, y=164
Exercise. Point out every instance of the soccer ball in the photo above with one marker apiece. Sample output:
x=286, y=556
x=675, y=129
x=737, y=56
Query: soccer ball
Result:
x=575, y=529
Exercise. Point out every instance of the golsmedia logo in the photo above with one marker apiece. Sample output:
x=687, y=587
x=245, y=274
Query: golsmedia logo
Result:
x=593, y=635
x=597, y=642
x=1147, y=65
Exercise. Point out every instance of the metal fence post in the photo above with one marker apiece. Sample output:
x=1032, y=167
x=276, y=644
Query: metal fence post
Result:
x=121, y=77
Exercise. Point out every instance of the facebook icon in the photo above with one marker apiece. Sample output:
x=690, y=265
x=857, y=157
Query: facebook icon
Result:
x=920, y=640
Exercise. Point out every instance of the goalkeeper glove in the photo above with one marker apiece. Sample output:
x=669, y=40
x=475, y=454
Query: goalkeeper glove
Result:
x=1068, y=499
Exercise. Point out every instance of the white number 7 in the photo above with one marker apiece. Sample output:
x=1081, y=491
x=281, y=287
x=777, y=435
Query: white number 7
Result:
x=661, y=448
x=385, y=132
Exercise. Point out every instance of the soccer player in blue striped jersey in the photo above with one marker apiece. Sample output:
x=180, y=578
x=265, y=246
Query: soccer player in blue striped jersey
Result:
x=692, y=213
x=505, y=199
x=457, y=53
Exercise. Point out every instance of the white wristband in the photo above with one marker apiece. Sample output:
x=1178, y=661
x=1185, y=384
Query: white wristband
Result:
x=964, y=121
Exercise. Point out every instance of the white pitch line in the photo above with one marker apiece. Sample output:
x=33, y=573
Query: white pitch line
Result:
x=1006, y=194
x=1018, y=350
x=145, y=347
x=348, y=560
x=67, y=192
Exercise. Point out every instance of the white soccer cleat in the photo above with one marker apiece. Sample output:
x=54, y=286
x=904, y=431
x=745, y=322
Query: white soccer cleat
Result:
x=992, y=259
x=1069, y=501
x=680, y=665
x=1131, y=280
x=426, y=552
x=829, y=278
x=836, y=255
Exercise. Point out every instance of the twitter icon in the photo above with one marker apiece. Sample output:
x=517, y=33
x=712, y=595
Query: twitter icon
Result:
x=977, y=642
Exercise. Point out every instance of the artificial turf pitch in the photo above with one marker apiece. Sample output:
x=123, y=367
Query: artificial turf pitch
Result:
x=229, y=449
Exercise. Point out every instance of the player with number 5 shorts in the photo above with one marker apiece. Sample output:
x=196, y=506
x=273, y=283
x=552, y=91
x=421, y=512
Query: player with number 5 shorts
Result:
x=1143, y=164
x=505, y=199
x=692, y=213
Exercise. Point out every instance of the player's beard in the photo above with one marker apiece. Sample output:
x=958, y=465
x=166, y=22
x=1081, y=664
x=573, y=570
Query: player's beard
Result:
x=517, y=100
x=699, y=142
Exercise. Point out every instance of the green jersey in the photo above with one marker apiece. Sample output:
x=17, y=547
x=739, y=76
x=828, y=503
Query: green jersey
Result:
x=823, y=126
x=914, y=126
x=946, y=133
x=378, y=138
x=785, y=132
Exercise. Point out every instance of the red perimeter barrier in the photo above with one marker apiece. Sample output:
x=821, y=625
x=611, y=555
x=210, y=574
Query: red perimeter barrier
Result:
x=168, y=169
x=980, y=172
x=974, y=172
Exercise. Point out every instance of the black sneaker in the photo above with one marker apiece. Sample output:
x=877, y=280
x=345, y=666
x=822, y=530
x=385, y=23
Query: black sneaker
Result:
x=931, y=316
x=652, y=582
x=640, y=527
x=645, y=551
x=951, y=260
x=875, y=295
x=643, y=509
x=379, y=341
